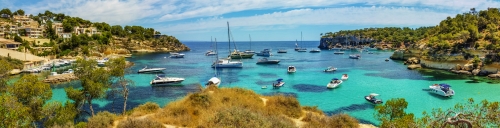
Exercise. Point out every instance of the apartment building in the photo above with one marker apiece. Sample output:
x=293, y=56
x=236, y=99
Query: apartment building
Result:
x=23, y=19
x=34, y=32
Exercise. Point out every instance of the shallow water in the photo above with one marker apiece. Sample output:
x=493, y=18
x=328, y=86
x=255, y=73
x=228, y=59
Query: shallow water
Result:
x=370, y=74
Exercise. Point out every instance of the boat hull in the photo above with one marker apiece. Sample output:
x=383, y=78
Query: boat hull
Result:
x=166, y=81
x=269, y=62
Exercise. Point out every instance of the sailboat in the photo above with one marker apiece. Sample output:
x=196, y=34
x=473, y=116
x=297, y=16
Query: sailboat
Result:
x=236, y=54
x=250, y=50
x=214, y=81
x=301, y=49
x=226, y=63
x=210, y=52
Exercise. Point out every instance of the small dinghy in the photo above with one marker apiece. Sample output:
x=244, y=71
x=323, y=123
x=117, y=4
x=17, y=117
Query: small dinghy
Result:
x=344, y=77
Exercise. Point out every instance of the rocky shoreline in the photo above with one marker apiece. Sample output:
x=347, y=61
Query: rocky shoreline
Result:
x=465, y=67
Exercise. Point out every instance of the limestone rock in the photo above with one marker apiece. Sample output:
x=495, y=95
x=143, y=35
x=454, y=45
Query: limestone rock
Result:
x=476, y=72
x=458, y=67
x=412, y=60
x=468, y=67
x=494, y=76
x=414, y=66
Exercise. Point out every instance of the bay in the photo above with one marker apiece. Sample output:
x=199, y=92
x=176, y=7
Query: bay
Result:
x=370, y=74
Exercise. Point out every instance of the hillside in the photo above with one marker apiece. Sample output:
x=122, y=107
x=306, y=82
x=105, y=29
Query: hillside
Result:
x=468, y=34
x=226, y=107
x=73, y=36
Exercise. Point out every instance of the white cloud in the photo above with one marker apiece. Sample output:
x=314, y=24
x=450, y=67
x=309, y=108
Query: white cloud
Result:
x=154, y=11
x=390, y=16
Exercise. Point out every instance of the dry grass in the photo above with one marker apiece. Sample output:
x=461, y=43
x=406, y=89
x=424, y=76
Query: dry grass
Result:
x=139, y=123
x=101, y=120
x=37, y=40
x=315, y=120
x=228, y=107
x=146, y=108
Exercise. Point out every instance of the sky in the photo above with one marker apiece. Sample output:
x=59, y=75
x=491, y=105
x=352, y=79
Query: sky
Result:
x=262, y=20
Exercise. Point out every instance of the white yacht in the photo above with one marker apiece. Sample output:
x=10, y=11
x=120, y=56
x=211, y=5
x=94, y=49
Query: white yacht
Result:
x=162, y=80
x=227, y=63
x=334, y=83
x=265, y=52
x=371, y=98
x=357, y=56
x=210, y=53
x=441, y=89
x=176, y=55
x=291, y=69
x=151, y=70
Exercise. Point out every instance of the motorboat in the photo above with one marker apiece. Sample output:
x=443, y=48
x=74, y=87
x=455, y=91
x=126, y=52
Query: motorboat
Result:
x=151, y=70
x=441, y=89
x=338, y=52
x=356, y=56
x=214, y=81
x=266, y=61
x=265, y=52
x=176, y=55
x=386, y=59
x=282, y=51
x=371, y=98
x=330, y=69
x=344, y=77
x=279, y=83
x=315, y=51
x=210, y=53
x=291, y=69
x=162, y=80
x=227, y=63
x=334, y=83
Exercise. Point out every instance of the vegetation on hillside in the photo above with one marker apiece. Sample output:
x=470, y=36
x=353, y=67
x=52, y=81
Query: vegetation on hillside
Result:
x=25, y=102
x=454, y=35
x=469, y=114
x=84, y=44
x=226, y=107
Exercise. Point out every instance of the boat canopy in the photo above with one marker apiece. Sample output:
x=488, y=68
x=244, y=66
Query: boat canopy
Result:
x=335, y=79
x=374, y=94
x=444, y=85
x=280, y=79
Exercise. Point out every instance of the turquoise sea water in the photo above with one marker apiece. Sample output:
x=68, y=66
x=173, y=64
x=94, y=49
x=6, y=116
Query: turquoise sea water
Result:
x=370, y=74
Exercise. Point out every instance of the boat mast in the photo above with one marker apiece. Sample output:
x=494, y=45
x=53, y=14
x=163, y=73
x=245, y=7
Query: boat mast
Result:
x=216, y=57
x=301, y=38
x=229, y=38
x=250, y=41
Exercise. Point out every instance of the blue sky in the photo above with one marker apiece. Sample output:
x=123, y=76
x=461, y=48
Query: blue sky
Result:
x=264, y=20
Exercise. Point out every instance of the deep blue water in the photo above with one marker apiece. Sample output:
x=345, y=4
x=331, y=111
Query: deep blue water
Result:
x=369, y=74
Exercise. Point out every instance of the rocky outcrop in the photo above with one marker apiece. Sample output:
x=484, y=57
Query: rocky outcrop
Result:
x=496, y=75
x=60, y=78
x=414, y=66
x=461, y=72
x=412, y=60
